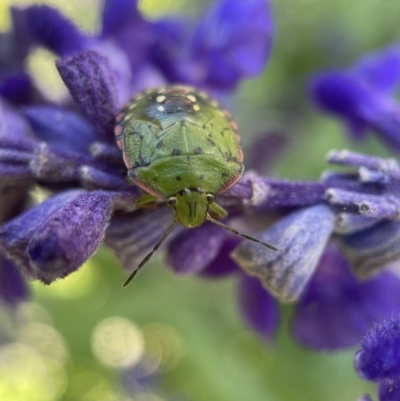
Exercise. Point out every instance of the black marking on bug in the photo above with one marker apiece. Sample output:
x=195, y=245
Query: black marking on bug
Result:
x=183, y=123
x=141, y=136
x=183, y=191
x=201, y=177
x=178, y=178
x=195, y=208
x=154, y=179
x=120, y=136
x=176, y=152
x=133, y=133
x=224, y=175
x=190, y=209
x=160, y=144
x=198, y=151
x=194, y=189
x=210, y=141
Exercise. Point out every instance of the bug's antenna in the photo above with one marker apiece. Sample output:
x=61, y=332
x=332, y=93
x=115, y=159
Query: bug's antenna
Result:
x=233, y=231
x=150, y=254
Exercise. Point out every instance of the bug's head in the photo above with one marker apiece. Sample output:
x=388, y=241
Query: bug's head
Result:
x=191, y=206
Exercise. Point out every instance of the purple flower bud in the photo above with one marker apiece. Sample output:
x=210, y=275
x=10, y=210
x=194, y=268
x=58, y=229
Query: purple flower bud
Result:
x=379, y=356
x=54, y=31
x=56, y=237
x=347, y=223
x=300, y=238
x=91, y=82
x=370, y=250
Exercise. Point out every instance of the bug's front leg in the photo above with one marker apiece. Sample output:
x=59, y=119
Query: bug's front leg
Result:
x=218, y=211
x=146, y=201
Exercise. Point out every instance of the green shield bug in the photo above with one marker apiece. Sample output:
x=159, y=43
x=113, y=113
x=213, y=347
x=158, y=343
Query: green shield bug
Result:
x=180, y=146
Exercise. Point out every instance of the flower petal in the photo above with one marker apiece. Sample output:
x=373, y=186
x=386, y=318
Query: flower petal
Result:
x=300, y=238
x=116, y=14
x=223, y=265
x=234, y=40
x=191, y=251
x=54, y=31
x=259, y=309
x=61, y=128
x=380, y=69
x=13, y=288
x=132, y=235
x=56, y=237
x=91, y=82
x=336, y=310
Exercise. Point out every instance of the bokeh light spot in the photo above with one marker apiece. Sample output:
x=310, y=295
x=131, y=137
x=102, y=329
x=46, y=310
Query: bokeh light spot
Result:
x=46, y=340
x=164, y=346
x=26, y=375
x=117, y=343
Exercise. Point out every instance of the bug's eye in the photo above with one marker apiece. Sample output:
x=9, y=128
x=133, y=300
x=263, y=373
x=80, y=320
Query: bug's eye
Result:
x=210, y=198
x=171, y=202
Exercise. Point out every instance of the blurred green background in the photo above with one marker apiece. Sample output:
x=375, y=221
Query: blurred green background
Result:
x=76, y=339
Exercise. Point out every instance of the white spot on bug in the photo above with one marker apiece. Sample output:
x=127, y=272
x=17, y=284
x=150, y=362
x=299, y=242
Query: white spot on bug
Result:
x=196, y=107
x=160, y=108
x=160, y=99
x=192, y=98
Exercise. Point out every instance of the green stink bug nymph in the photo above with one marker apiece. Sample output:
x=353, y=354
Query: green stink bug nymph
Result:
x=179, y=145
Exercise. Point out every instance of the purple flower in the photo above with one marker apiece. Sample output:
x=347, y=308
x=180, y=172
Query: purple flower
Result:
x=74, y=156
x=378, y=359
x=235, y=37
x=15, y=83
x=363, y=96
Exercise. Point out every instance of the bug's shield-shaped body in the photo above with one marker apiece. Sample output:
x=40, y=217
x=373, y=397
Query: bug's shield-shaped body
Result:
x=176, y=141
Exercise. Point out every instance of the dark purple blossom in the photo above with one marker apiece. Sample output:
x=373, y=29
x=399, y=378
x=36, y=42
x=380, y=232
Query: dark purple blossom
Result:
x=336, y=309
x=363, y=96
x=230, y=43
x=378, y=359
x=16, y=85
